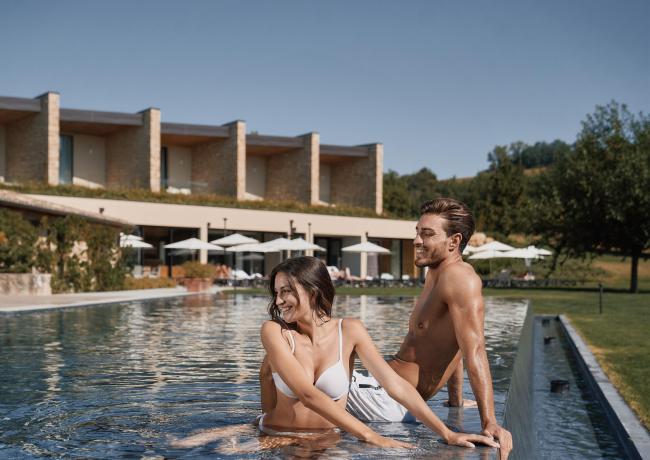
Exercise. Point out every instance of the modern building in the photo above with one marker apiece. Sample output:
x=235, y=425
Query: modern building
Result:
x=44, y=143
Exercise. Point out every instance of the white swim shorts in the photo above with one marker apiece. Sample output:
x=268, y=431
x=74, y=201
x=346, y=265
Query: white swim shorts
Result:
x=368, y=401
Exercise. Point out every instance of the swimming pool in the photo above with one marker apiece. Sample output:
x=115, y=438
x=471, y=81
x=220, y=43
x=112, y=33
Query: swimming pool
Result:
x=122, y=380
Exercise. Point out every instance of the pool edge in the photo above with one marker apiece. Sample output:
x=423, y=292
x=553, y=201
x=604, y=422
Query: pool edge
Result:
x=518, y=412
x=631, y=434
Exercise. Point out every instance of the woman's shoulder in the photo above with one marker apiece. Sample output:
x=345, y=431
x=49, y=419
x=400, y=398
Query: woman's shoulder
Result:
x=352, y=325
x=270, y=327
x=273, y=327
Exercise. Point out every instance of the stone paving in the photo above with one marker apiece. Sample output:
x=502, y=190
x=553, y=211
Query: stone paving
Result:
x=22, y=303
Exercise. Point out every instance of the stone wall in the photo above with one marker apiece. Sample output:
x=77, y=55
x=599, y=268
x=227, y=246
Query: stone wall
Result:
x=359, y=181
x=295, y=175
x=25, y=284
x=32, y=144
x=133, y=155
x=219, y=166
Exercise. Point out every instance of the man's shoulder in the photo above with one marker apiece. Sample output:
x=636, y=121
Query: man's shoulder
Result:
x=460, y=275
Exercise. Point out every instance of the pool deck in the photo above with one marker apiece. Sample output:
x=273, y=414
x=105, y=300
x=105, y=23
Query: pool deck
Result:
x=27, y=303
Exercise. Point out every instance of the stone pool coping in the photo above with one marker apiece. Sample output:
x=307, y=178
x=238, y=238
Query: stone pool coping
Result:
x=29, y=303
x=633, y=436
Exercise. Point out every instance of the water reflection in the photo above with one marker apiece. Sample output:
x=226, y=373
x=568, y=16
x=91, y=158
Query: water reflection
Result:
x=120, y=380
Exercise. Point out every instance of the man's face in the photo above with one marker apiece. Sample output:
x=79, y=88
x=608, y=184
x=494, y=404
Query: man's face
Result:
x=431, y=241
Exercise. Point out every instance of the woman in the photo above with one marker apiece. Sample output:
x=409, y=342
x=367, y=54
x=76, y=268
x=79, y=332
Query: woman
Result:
x=311, y=355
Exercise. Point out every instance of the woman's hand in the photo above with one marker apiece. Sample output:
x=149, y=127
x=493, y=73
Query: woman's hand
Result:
x=468, y=440
x=382, y=441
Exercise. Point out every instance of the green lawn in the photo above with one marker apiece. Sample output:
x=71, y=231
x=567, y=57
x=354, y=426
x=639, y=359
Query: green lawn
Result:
x=619, y=338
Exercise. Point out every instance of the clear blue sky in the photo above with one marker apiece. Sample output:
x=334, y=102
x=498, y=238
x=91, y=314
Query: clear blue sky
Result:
x=440, y=83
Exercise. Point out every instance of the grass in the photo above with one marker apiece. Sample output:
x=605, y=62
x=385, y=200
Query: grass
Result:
x=616, y=272
x=619, y=337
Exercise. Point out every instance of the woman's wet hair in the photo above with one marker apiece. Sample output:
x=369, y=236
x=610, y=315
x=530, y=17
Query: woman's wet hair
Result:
x=311, y=273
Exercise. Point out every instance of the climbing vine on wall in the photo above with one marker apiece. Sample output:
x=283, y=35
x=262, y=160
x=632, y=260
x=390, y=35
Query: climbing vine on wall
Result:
x=80, y=255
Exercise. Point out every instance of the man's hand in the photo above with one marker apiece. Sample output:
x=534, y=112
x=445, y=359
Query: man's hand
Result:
x=493, y=430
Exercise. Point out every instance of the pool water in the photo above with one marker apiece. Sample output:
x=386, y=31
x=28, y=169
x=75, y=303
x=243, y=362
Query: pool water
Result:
x=124, y=380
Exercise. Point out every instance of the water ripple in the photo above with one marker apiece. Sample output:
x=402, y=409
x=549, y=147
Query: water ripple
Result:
x=120, y=380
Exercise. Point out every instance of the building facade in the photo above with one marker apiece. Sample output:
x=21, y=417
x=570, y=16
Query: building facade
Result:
x=42, y=142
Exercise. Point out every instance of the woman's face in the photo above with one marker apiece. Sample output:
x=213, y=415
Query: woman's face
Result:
x=291, y=307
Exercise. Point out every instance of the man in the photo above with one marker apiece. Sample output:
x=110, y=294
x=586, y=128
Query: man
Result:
x=445, y=326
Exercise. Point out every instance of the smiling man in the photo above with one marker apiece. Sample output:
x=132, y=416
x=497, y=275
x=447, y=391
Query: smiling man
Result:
x=445, y=326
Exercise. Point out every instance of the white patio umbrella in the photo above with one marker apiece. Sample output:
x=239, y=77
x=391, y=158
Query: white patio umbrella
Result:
x=487, y=254
x=253, y=247
x=364, y=249
x=234, y=239
x=497, y=245
x=124, y=236
x=300, y=244
x=280, y=244
x=541, y=251
x=193, y=244
x=368, y=247
x=522, y=253
x=132, y=243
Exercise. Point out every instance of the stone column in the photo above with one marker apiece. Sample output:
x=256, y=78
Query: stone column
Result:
x=32, y=144
x=203, y=236
x=133, y=154
x=221, y=164
x=363, y=265
x=294, y=175
x=359, y=181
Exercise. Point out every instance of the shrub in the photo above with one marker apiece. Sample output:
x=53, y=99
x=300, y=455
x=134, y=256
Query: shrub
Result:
x=198, y=270
x=18, y=240
x=148, y=283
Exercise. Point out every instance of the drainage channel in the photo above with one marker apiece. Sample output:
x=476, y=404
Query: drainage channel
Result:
x=551, y=409
x=568, y=417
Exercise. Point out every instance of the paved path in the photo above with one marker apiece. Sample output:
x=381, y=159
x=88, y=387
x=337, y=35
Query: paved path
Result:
x=22, y=303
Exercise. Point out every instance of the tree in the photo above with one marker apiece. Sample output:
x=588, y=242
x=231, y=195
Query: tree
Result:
x=397, y=200
x=504, y=191
x=595, y=198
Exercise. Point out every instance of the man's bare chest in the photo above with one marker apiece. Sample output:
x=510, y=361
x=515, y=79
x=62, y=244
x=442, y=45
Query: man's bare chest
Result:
x=429, y=312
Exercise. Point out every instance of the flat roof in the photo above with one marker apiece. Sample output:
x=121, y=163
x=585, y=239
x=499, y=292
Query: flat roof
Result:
x=96, y=122
x=191, y=134
x=20, y=201
x=264, y=144
x=334, y=153
x=15, y=108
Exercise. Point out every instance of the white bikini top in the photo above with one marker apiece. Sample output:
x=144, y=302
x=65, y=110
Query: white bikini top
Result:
x=334, y=381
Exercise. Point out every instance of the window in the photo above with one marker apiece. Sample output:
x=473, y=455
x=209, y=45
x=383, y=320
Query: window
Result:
x=66, y=160
x=164, y=169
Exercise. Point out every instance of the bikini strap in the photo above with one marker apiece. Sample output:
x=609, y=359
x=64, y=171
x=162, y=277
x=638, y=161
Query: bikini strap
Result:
x=293, y=344
x=340, y=340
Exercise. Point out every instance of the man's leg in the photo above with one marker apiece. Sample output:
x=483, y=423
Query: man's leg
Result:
x=267, y=386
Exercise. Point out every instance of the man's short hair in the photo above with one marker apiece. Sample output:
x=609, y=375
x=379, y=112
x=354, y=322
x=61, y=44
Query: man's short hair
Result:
x=458, y=216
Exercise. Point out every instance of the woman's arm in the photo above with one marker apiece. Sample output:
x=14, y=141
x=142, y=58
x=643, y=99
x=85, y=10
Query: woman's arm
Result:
x=285, y=364
x=402, y=391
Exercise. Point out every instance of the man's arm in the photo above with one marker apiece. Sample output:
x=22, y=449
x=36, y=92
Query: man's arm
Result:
x=267, y=386
x=462, y=294
x=455, y=388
